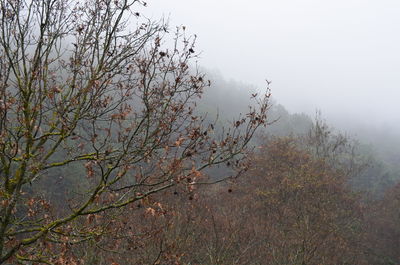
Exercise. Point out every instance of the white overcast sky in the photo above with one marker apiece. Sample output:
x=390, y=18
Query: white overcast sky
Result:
x=341, y=56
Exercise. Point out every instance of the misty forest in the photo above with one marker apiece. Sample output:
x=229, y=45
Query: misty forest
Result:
x=120, y=145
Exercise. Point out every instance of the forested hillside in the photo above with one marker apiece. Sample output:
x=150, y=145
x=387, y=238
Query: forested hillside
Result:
x=310, y=195
x=117, y=148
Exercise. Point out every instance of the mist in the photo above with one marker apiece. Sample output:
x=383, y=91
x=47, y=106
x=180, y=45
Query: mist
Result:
x=339, y=57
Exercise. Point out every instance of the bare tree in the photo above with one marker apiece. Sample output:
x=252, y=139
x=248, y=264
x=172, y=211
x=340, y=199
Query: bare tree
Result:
x=93, y=87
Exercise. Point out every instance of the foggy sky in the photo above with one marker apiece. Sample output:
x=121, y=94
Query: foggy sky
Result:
x=341, y=57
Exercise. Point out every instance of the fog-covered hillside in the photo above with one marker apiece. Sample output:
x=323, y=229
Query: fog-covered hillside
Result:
x=118, y=146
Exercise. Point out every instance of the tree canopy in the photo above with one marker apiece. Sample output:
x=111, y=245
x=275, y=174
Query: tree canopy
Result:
x=91, y=92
